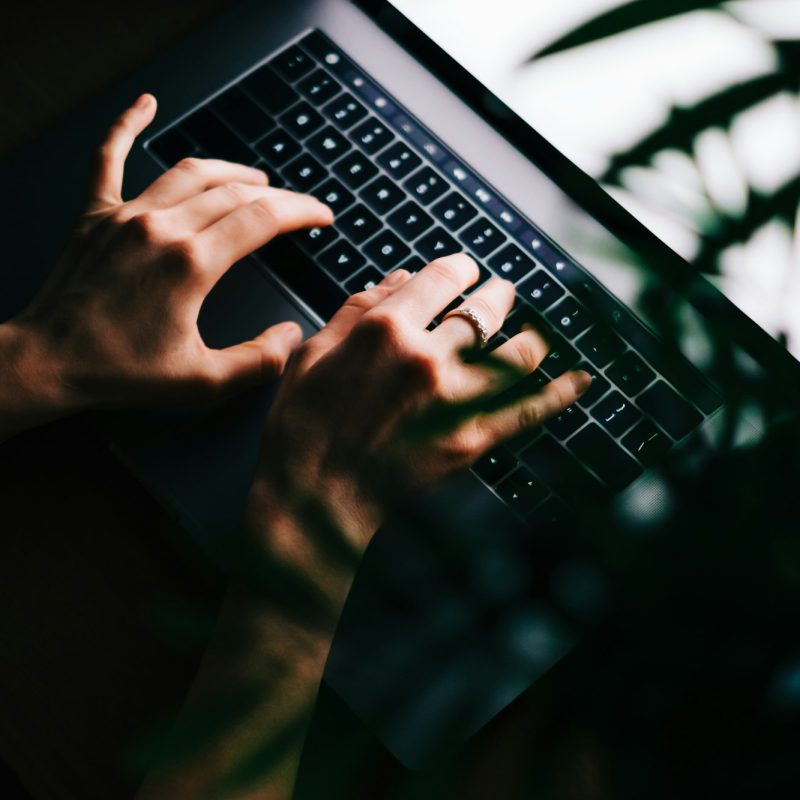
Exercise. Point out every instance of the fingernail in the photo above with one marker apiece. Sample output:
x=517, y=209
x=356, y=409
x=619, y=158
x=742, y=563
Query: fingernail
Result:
x=393, y=278
x=581, y=381
x=143, y=101
x=292, y=334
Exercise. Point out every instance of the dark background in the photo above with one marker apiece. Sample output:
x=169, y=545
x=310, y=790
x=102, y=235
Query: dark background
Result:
x=83, y=557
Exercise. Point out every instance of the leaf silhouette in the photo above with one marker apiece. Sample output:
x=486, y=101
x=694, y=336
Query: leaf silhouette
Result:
x=683, y=125
x=761, y=208
x=624, y=18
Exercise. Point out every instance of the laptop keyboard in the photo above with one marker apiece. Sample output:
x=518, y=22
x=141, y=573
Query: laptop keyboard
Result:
x=318, y=123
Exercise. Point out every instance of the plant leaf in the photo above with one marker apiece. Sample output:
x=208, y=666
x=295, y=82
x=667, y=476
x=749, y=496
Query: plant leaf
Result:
x=624, y=18
x=683, y=125
x=781, y=205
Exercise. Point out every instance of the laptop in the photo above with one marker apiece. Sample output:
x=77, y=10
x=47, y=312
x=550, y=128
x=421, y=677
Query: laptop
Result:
x=449, y=619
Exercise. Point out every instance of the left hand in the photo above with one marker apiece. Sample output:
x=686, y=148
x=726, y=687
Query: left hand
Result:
x=116, y=322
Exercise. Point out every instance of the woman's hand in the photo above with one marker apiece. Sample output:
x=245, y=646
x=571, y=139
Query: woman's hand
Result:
x=376, y=406
x=116, y=322
x=372, y=408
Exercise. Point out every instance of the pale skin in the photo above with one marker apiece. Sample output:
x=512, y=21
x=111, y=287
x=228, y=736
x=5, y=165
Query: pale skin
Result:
x=343, y=436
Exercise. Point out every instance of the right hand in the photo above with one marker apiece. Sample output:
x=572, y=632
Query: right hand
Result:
x=375, y=406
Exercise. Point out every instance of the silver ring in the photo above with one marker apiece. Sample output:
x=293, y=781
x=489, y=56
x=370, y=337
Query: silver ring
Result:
x=477, y=321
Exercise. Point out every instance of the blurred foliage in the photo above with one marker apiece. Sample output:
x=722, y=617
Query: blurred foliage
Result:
x=684, y=124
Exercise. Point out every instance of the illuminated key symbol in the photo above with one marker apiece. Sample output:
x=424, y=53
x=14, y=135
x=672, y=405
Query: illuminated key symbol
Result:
x=536, y=294
x=329, y=144
x=439, y=245
x=360, y=222
x=279, y=147
x=332, y=58
x=358, y=81
x=566, y=322
x=380, y=102
x=483, y=195
x=355, y=169
x=422, y=188
x=331, y=197
x=459, y=174
x=343, y=259
x=395, y=163
x=369, y=285
x=383, y=194
x=412, y=219
x=431, y=149
x=387, y=250
x=478, y=240
x=303, y=119
x=506, y=217
x=305, y=172
x=449, y=214
x=507, y=267
x=315, y=233
x=535, y=244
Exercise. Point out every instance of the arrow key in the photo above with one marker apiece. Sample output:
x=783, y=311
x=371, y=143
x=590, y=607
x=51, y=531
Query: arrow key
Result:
x=342, y=260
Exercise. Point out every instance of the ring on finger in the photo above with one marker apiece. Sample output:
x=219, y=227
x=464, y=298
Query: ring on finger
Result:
x=476, y=319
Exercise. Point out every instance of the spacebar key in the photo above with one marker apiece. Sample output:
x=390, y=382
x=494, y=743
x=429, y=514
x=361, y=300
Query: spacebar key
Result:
x=308, y=281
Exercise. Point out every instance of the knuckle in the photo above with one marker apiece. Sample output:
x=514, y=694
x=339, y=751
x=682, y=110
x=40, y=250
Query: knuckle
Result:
x=264, y=208
x=144, y=227
x=466, y=446
x=119, y=217
x=530, y=415
x=446, y=271
x=381, y=326
x=235, y=192
x=528, y=351
x=182, y=257
x=424, y=371
x=190, y=165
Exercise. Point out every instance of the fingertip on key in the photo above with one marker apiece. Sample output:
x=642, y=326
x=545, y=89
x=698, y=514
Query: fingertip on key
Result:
x=581, y=381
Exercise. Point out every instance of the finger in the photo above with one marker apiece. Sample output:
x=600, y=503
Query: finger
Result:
x=491, y=302
x=204, y=209
x=258, y=361
x=253, y=225
x=506, y=366
x=433, y=288
x=343, y=321
x=190, y=177
x=108, y=165
x=531, y=411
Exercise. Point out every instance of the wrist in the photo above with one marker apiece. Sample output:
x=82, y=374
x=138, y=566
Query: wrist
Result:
x=320, y=535
x=32, y=390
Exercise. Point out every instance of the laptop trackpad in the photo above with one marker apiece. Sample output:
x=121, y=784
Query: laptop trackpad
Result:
x=201, y=463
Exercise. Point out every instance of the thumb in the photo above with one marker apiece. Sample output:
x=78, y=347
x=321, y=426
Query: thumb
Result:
x=260, y=360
